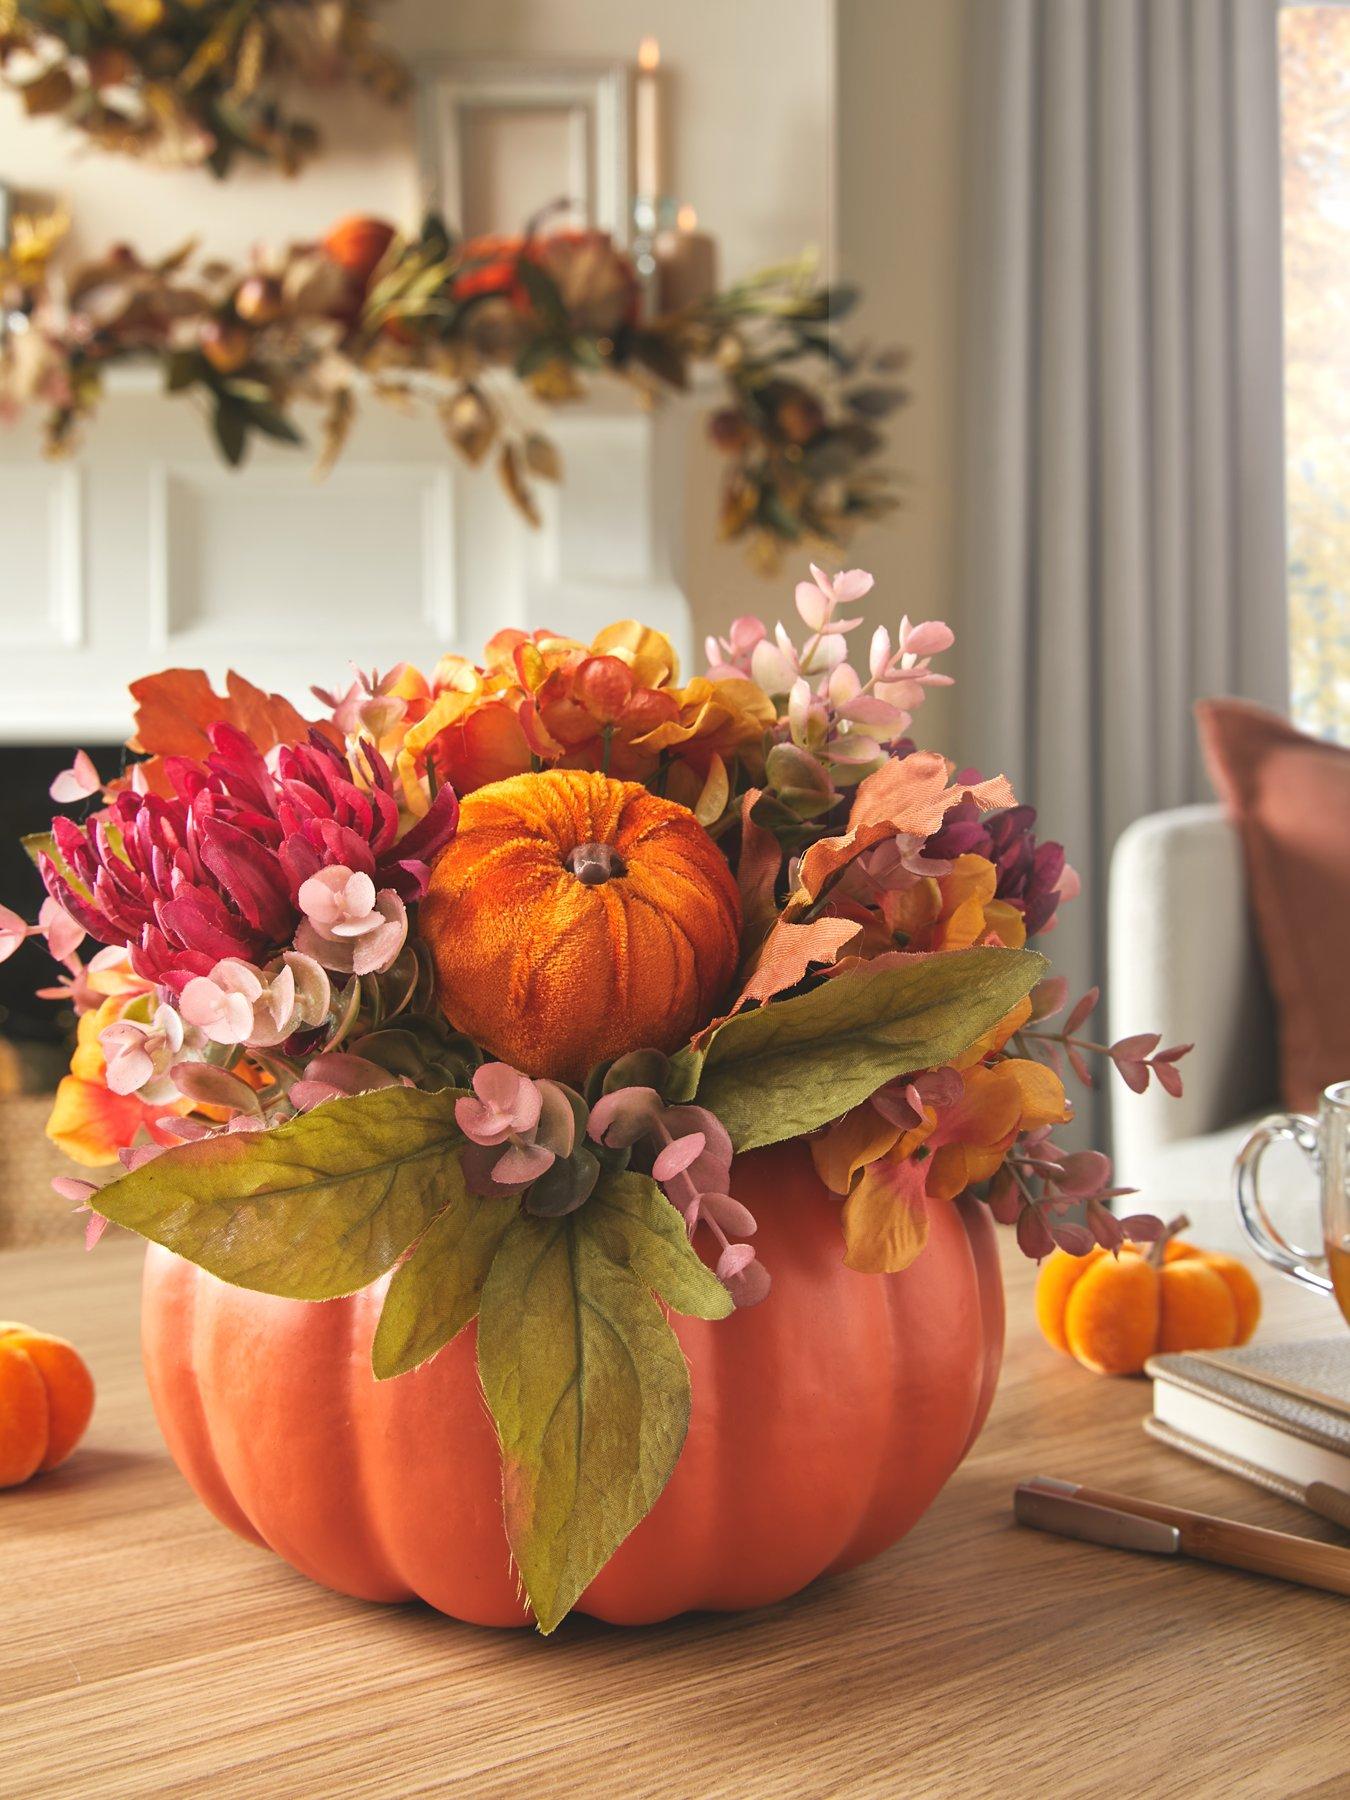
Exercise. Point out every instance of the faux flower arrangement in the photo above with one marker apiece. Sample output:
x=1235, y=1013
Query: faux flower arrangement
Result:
x=486, y=977
x=476, y=331
x=195, y=82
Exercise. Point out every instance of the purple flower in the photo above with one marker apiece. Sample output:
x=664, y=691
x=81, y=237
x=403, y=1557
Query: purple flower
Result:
x=1033, y=877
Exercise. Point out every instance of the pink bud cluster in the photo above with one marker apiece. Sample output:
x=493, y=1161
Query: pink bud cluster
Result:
x=844, y=718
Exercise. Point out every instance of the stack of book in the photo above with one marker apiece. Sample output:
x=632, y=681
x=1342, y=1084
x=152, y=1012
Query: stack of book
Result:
x=1277, y=1414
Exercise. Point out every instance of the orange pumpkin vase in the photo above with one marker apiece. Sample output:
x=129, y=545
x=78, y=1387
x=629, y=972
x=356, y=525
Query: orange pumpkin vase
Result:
x=824, y=1422
x=573, y=918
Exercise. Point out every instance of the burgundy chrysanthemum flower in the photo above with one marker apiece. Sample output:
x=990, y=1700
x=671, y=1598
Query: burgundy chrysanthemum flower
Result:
x=1030, y=874
x=215, y=871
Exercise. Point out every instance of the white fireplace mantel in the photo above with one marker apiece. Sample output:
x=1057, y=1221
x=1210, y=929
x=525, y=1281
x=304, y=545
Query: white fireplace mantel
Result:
x=145, y=552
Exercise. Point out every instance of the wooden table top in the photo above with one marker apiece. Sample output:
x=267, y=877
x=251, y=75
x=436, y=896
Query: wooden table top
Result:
x=144, y=1650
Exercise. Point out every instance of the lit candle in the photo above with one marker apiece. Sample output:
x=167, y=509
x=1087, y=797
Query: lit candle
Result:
x=686, y=263
x=647, y=121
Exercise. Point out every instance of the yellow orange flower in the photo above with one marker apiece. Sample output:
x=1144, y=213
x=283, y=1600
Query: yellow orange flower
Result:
x=715, y=718
x=888, y=1175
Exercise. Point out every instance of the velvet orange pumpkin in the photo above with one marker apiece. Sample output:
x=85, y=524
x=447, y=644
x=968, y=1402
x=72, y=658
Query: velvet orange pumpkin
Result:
x=573, y=918
x=46, y=1398
x=824, y=1423
x=1112, y=1313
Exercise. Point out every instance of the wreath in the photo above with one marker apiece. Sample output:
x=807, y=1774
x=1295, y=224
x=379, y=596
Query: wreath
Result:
x=475, y=330
x=190, y=81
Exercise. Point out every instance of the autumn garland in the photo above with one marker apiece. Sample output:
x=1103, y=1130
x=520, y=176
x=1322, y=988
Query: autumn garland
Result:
x=525, y=952
x=473, y=331
x=190, y=81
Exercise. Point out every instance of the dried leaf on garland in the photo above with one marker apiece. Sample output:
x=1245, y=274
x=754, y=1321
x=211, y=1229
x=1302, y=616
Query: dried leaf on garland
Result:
x=421, y=324
x=191, y=81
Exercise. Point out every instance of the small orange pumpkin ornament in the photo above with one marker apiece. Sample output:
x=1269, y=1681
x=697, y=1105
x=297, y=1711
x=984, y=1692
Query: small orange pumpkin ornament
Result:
x=46, y=1397
x=573, y=918
x=1112, y=1313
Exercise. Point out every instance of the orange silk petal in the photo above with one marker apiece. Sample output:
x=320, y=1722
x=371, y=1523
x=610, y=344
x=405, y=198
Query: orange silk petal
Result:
x=848, y=1145
x=909, y=795
x=1007, y=924
x=993, y=1040
x=885, y=1218
x=1042, y=1093
x=790, y=950
x=649, y=654
x=484, y=746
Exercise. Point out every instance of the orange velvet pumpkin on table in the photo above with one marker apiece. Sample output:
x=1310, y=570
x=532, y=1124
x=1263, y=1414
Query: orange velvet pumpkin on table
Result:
x=46, y=1398
x=1112, y=1313
x=573, y=918
x=823, y=1425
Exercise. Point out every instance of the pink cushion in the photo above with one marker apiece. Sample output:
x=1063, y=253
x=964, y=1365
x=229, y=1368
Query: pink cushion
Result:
x=1289, y=795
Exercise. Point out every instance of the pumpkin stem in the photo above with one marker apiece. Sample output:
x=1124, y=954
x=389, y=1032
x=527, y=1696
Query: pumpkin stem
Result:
x=1160, y=1243
x=593, y=864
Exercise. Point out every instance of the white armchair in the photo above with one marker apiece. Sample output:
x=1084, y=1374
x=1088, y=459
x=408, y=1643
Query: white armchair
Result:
x=1183, y=960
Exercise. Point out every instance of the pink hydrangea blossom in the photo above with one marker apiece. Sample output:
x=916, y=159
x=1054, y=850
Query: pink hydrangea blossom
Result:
x=221, y=1004
x=139, y=1056
x=517, y=1127
x=79, y=782
x=348, y=925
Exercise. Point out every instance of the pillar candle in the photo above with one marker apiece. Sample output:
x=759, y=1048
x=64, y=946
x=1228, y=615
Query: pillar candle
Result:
x=647, y=120
x=686, y=263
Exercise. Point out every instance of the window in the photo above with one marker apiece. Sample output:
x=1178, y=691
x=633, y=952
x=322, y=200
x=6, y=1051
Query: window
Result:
x=1315, y=134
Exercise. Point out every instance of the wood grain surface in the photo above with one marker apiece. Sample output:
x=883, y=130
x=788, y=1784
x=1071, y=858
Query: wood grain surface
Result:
x=146, y=1651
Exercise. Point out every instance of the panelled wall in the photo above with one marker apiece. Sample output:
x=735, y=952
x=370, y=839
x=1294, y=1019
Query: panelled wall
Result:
x=146, y=552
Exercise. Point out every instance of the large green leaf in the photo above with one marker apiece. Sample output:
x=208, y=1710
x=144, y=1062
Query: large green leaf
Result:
x=586, y=1381
x=435, y=1291
x=795, y=1065
x=315, y=1208
x=633, y=1222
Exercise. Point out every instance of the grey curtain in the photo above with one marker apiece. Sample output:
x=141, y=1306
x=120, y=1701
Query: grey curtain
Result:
x=1122, y=512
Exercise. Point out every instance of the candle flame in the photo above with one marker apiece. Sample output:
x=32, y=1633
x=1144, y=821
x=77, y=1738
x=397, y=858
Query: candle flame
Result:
x=687, y=219
x=649, y=55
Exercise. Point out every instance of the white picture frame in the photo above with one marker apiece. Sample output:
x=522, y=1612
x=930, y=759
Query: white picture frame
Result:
x=591, y=101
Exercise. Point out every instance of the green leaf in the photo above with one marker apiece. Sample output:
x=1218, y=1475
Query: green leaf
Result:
x=543, y=293
x=42, y=843
x=273, y=423
x=797, y=1064
x=586, y=1381
x=635, y=1224
x=435, y=1292
x=315, y=1208
x=230, y=423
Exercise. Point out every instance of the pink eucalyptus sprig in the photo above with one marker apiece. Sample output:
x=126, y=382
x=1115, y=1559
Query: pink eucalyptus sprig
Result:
x=1040, y=1184
x=1135, y=1058
x=690, y=1154
x=832, y=715
x=523, y=1139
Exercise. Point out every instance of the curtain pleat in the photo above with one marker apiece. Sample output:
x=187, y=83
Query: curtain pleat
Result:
x=1121, y=548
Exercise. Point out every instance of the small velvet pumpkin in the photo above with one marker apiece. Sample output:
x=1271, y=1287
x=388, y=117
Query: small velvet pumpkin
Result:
x=1112, y=1313
x=573, y=918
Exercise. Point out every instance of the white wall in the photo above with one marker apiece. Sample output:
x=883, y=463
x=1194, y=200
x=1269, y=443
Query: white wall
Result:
x=756, y=90
x=900, y=111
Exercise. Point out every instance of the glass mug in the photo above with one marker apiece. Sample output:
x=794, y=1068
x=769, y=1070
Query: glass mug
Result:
x=1325, y=1141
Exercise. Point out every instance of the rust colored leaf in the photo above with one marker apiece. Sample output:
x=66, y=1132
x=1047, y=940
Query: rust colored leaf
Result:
x=757, y=872
x=175, y=708
x=908, y=795
x=788, y=953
